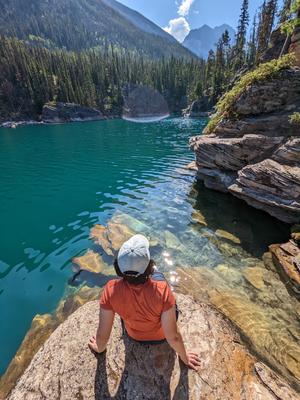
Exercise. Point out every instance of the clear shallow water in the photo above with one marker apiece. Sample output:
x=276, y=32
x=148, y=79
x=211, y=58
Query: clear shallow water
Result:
x=57, y=181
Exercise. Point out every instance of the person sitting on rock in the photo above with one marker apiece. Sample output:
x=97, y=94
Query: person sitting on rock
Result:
x=144, y=301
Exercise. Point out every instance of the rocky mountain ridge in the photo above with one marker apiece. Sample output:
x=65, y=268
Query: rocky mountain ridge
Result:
x=84, y=24
x=200, y=41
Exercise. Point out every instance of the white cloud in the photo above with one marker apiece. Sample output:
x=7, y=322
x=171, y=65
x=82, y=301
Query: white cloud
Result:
x=179, y=28
x=184, y=8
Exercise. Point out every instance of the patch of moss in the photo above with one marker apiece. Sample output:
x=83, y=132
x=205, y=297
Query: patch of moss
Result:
x=261, y=73
x=295, y=119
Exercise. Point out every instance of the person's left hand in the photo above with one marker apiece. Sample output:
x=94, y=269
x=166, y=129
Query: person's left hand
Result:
x=93, y=344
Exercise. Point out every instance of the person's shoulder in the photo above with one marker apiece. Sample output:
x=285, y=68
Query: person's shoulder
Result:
x=160, y=285
x=113, y=283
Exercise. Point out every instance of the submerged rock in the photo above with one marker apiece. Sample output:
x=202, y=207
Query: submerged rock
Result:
x=228, y=236
x=58, y=112
x=64, y=368
x=258, y=303
x=112, y=237
x=41, y=328
x=91, y=262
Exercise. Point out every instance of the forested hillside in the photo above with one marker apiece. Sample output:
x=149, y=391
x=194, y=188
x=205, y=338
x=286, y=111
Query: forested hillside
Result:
x=83, y=24
x=32, y=75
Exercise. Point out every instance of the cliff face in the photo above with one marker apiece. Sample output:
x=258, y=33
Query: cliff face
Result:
x=64, y=368
x=254, y=151
x=295, y=45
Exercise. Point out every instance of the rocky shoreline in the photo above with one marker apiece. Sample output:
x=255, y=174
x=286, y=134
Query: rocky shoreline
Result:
x=57, y=113
x=252, y=298
x=254, y=153
x=227, y=371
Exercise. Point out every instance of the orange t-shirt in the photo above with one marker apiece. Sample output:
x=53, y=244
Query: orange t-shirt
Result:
x=140, y=306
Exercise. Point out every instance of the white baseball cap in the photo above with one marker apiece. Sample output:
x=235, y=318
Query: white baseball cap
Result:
x=134, y=255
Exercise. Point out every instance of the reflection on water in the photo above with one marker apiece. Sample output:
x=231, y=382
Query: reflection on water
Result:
x=143, y=120
x=131, y=179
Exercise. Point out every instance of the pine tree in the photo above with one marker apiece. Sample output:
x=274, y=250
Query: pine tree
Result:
x=239, y=48
x=252, y=45
x=265, y=26
x=284, y=13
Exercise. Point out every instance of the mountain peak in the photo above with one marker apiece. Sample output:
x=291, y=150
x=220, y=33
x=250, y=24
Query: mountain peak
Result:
x=203, y=39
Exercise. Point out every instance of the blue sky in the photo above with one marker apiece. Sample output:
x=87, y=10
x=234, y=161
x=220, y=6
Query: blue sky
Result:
x=178, y=16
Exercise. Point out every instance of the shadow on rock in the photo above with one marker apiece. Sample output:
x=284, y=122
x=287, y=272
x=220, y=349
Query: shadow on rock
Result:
x=147, y=374
x=255, y=229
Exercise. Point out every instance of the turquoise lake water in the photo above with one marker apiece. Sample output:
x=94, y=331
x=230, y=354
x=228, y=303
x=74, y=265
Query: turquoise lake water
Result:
x=57, y=181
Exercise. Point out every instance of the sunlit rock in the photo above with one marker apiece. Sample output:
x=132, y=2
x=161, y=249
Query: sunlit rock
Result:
x=227, y=369
x=272, y=187
x=259, y=304
x=255, y=276
x=199, y=217
x=99, y=235
x=227, y=235
x=287, y=258
x=112, y=237
x=172, y=241
x=58, y=112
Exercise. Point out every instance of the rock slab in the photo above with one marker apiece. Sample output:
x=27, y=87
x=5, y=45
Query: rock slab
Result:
x=64, y=368
x=69, y=112
x=255, y=155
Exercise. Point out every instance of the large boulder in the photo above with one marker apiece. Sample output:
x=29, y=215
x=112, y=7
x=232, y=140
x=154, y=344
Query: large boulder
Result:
x=254, y=151
x=272, y=187
x=64, y=368
x=143, y=102
x=57, y=112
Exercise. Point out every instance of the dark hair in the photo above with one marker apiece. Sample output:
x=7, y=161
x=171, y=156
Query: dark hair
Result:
x=130, y=277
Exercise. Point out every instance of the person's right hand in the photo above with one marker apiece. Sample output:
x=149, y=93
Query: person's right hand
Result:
x=192, y=360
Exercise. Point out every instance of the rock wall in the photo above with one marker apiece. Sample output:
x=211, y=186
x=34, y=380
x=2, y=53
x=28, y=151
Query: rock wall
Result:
x=295, y=45
x=64, y=368
x=255, y=155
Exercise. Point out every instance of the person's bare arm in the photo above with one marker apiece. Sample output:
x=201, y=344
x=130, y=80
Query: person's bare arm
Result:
x=174, y=338
x=106, y=319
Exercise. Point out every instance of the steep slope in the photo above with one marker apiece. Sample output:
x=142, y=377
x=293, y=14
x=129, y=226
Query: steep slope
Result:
x=82, y=24
x=201, y=40
x=138, y=20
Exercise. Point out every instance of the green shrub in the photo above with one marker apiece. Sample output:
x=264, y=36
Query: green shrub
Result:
x=295, y=119
x=261, y=73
